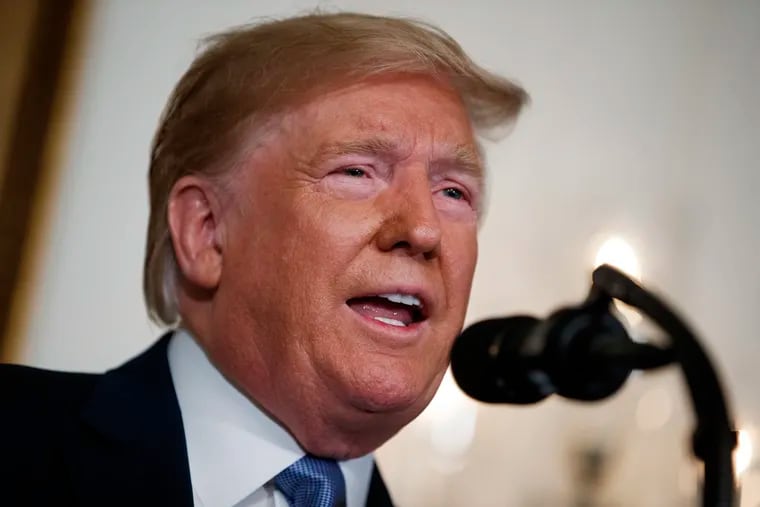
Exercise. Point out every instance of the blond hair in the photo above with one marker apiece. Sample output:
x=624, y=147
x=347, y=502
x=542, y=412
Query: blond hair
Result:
x=245, y=75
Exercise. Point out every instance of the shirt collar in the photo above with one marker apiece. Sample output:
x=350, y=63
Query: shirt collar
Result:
x=233, y=447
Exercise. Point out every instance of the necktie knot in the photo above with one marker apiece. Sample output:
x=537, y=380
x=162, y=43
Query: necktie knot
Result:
x=312, y=482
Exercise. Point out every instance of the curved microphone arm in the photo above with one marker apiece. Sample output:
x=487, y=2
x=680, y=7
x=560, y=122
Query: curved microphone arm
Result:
x=714, y=437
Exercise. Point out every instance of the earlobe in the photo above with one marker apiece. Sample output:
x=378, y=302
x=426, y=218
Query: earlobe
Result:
x=193, y=215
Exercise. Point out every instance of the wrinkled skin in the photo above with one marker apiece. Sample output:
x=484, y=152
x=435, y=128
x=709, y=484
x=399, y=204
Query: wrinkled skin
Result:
x=371, y=188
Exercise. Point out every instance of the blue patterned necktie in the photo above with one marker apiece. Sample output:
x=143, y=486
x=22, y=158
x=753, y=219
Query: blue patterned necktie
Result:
x=312, y=482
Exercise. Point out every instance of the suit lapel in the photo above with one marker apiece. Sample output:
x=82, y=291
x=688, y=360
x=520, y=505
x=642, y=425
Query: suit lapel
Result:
x=129, y=448
x=378, y=494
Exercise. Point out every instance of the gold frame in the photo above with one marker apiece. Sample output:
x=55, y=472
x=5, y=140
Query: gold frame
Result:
x=42, y=67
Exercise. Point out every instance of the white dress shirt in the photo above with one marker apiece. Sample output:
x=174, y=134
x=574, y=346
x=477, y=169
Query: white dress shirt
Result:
x=234, y=449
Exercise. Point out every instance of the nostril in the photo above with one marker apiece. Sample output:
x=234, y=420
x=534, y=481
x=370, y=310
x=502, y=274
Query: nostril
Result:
x=431, y=254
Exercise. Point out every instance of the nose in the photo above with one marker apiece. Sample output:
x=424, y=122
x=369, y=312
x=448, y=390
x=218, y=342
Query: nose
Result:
x=412, y=224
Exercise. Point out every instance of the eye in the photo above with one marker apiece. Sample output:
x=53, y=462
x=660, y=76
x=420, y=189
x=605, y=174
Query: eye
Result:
x=355, y=172
x=454, y=193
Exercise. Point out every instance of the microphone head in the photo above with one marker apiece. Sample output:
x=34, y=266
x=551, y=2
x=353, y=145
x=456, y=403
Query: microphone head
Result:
x=574, y=356
x=487, y=365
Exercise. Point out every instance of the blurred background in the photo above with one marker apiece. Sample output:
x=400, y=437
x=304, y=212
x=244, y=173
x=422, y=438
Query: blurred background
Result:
x=640, y=148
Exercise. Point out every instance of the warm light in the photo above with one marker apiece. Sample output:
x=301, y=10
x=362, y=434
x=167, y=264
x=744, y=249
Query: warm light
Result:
x=743, y=453
x=451, y=418
x=750, y=491
x=618, y=253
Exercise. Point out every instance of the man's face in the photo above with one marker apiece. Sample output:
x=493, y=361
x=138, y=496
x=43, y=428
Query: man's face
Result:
x=349, y=250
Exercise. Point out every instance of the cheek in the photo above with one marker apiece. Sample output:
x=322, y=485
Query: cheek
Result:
x=336, y=230
x=460, y=253
x=299, y=256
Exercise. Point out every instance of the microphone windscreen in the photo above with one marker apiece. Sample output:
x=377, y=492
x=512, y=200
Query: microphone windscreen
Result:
x=488, y=365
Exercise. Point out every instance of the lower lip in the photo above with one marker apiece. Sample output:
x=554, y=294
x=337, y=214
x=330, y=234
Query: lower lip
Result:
x=402, y=335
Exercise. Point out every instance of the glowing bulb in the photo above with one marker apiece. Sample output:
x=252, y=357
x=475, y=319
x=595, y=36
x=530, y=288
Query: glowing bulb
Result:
x=618, y=253
x=743, y=453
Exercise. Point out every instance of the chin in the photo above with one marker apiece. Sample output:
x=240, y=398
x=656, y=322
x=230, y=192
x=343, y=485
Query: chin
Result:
x=386, y=390
x=376, y=405
x=340, y=447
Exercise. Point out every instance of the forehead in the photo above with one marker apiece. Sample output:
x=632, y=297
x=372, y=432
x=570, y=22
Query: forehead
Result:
x=405, y=111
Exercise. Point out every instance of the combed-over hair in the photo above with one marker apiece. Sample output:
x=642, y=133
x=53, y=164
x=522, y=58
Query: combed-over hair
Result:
x=245, y=75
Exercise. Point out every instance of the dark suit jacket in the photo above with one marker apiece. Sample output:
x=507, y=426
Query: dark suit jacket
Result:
x=97, y=440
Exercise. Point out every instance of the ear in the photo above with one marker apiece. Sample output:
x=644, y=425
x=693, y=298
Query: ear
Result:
x=194, y=225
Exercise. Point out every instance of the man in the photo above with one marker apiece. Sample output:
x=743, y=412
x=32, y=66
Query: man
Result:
x=315, y=188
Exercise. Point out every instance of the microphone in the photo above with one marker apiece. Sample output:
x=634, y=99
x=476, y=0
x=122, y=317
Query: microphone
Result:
x=582, y=353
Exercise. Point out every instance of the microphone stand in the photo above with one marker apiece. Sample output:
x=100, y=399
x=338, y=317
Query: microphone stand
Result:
x=714, y=437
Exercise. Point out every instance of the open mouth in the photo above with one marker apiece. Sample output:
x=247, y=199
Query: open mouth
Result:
x=400, y=310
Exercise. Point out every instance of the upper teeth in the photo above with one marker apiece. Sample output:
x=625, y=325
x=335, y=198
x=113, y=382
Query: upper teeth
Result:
x=404, y=299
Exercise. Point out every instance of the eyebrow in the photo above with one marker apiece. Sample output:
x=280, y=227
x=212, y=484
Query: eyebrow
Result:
x=374, y=146
x=469, y=159
x=463, y=157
